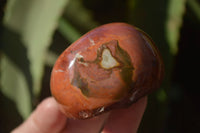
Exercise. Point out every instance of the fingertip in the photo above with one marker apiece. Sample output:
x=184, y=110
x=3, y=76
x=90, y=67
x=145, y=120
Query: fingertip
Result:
x=46, y=118
x=48, y=107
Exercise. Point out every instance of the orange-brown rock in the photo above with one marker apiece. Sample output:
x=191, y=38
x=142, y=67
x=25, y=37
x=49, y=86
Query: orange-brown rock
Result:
x=110, y=67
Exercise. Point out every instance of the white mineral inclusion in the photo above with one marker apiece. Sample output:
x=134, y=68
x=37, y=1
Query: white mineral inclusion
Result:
x=77, y=56
x=101, y=110
x=108, y=61
x=91, y=41
x=72, y=62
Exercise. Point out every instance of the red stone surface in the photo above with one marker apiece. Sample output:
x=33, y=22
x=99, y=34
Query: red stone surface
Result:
x=83, y=88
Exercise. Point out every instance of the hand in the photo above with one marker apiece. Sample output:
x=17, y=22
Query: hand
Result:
x=47, y=118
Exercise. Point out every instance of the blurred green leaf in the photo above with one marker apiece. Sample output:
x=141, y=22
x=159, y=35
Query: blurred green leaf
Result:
x=35, y=21
x=79, y=15
x=176, y=9
x=14, y=85
x=68, y=31
x=161, y=95
x=195, y=6
x=15, y=71
x=29, y=27
x=51, y=58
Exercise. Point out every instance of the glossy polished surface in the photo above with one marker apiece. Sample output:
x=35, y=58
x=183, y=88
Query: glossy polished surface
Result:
x=110, y=67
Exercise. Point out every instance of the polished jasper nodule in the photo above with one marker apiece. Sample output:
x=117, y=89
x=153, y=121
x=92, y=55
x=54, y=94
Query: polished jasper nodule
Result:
x=109, y=67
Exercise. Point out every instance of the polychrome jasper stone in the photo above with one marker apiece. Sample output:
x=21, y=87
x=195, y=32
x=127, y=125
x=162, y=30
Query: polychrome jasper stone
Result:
x=110, y=67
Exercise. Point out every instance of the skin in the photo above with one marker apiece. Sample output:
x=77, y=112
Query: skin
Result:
x=47, y=118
